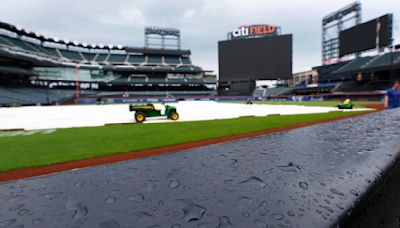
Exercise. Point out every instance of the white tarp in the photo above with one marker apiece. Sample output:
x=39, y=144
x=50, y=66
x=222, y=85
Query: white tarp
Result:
x=51, y=117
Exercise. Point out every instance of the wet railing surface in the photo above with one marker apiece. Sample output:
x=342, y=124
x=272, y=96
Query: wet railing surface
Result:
x=308, y=177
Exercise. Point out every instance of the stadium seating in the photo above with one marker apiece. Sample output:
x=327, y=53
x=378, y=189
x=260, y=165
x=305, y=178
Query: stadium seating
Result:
x=154, y=59
x=176, y=80
x=276, y=91
x=172, y=60
x=53, y=52
x=117, y=58
x=383, y=60
x=136, y=59
x=353, y=86
x=88, y=56
x=32, y=96
x=354, y=65
x=101, y=58
x=71, y=55
x=20, y=44
x=186, y=60
x=258, y=92
x=42, y=61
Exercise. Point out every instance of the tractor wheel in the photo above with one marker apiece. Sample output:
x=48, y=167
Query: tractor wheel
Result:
x=140, y=117
x=173, y=115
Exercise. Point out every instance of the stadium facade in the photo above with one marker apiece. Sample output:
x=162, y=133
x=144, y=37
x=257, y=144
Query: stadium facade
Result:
x=38, y=69
x=359, y=61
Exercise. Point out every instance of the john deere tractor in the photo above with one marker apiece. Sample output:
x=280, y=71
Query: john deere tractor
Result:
x=150, y=110
x=346, y=104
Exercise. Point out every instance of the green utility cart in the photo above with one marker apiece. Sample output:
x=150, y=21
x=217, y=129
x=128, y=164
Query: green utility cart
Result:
x=346, y=104
x=149, y=110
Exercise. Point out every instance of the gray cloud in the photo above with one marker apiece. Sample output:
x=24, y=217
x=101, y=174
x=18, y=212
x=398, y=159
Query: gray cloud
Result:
x=202, y=22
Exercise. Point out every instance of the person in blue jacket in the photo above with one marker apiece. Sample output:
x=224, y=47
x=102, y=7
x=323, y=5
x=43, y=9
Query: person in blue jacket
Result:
x=392, y=96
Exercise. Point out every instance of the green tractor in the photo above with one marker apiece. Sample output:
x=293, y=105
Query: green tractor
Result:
x=150, y=110
x=346, y=104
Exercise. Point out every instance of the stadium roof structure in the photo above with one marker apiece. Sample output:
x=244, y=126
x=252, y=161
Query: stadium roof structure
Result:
x=35, y=50
x=42, y=38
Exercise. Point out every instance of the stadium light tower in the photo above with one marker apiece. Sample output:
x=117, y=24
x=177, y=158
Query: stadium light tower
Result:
x=332, y=25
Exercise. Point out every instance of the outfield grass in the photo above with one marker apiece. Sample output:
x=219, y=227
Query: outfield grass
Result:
x=79, y=143
x=307, y=103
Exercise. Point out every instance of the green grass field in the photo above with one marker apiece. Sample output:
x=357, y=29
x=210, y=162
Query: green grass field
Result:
x=79, y=143
x=308, y=103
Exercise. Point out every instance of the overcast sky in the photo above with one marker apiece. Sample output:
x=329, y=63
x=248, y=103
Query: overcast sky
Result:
x=202, y=22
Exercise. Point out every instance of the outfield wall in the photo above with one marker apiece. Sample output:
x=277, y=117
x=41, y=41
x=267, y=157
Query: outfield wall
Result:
x=378, y=96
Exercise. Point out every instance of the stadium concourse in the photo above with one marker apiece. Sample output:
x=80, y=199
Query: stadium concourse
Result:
x=49, y=117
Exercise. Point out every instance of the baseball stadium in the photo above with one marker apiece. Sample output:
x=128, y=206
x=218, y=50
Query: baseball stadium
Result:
x=113, y=135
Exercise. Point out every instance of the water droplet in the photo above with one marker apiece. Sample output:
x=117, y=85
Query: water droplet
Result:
x=17, y=207
x=277, y=216
x=303, y=185
x=109, y=200
x=109, y=224
x=329, y=209
x=280, y=203
x=52, y=195
x=137, y=198
x=290, y=167
x=337, y=192
x=254, y=181
x=80, y=210
x=234, y=162
x=142, y=216
x=243, y=202
x=354, y=192
x=173, y=183
x=260, y=224
x=23, y=212
x=262, y=208
x=290, y=213
x=7, y=223
x=150, y=185
x=245, y=214
x=37, y=221
x=224, y=222
x=192, y=211
x=203, y=225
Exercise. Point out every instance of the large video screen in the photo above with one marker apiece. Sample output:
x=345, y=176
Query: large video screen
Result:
x=363, y=37
x=386, y=30
x=265, y=58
